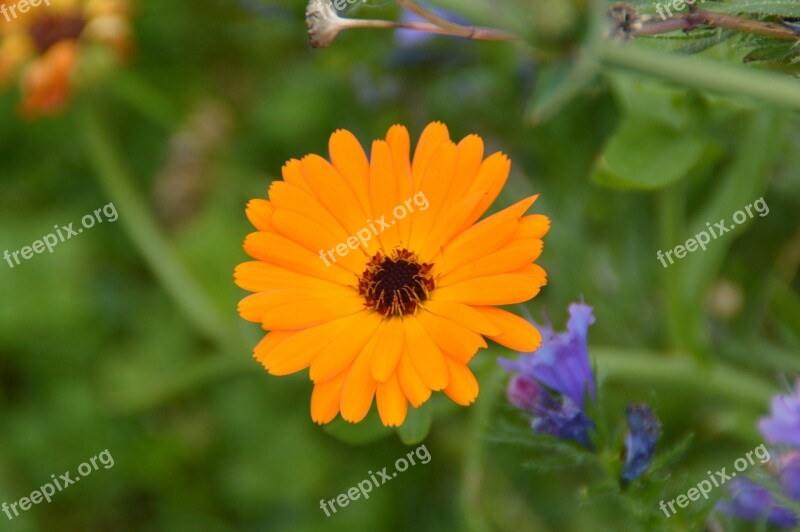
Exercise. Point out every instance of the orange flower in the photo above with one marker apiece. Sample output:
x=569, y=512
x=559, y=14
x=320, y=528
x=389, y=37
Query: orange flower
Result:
x=44, y=43
x=374, y=274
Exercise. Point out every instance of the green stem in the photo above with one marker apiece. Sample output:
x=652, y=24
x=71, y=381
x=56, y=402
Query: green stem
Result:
x=716, y=380
x=670, y=219
x=214, y=369
x=155, y=249
x=705, y=74
x=145, y=99
x=472, y=479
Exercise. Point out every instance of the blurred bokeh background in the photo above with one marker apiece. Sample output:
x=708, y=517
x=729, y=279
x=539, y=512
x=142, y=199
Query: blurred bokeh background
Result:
x=126, y=337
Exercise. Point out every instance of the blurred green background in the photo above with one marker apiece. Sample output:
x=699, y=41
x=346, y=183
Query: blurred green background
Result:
x=102, y=348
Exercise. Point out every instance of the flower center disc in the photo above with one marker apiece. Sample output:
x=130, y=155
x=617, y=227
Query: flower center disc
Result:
x=396, y=285
x=47, y=30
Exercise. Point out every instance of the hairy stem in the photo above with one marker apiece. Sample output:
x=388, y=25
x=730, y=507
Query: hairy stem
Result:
x=698, y=17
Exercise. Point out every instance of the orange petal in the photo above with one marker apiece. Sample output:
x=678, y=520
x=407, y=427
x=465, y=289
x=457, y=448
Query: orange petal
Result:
x=453, y=339
x=491, y=178
x=351, y=162
x=255, y=276
x=413, y=387
x=463, y=387
x=438, y=175
x=291, y=352
x=426, y=357
x=383, y=193
x=293, y=175
x=502, y=289
x=513, y=256
x=293, y=198
x=278, y=250
x=320, y=240
x=516, y=333
x=392, y=403
x=400, y=145
x=389, y=347
x=259, y=211
x=359, y=386
x=463, y=315
x=482, y=238
x=533, y=226
x=339, y=355
x=432, y=136
x=470, y=156
x=333, y=192
x=325, y=399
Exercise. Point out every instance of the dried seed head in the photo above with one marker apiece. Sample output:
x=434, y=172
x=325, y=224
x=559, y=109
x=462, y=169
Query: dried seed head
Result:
x=323, y=22
x=626, y=22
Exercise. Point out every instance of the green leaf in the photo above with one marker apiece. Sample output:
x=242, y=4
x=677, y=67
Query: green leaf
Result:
x=557, y=85
x=646, y=155
x=367, y=431
x=784, y=8
x=417, y=425
x=671, y=455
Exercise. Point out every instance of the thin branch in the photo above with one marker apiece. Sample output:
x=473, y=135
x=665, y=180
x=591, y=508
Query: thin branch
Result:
x=472, y=32
x=699, y=17
x=433, y=18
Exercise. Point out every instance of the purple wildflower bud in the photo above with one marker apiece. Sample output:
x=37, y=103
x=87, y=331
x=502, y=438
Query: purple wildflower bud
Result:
x=783, y=424
x=790, y=474
x=753, y=502
x=640, y=441
x=566, y=422
x=523, y=392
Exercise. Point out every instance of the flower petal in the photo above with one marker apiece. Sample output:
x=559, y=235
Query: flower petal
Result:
x=392, y=403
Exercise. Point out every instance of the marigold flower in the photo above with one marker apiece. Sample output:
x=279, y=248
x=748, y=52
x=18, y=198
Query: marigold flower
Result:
x=44, y=44
x=381, y=296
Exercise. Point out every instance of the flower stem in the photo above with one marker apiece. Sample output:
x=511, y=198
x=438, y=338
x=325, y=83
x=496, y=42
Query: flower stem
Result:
x=433, y=18
x=704, y=74
x=698, y=17
x=678, y=373
x=145, y=234
x=472, y=476
x=471, y=32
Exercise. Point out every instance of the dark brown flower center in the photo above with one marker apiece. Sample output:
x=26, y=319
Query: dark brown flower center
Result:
x=46, y=29
x=395, y=285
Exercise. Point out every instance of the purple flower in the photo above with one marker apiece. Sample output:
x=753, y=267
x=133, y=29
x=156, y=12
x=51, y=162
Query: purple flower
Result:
x=524, y=392
x=562, y=362
x=790, y=475
x=753, y=502
x=783, y=424
x=560, y=365
x=565, y=421
x=640, y=441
